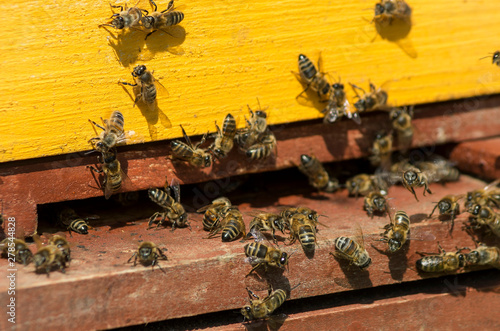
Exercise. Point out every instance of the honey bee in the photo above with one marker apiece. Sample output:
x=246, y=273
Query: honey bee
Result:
x=160, y=20
x=484, y=255
x=148, y=254
x=263, y=148
x=147, y=84
x=304, y=229
x=256, y=126
x=375, y=100
x=268, y=222
x=70, y=219
x=415, y=178
x=17, y=249
x=352, y=250
x=401, y=123
x=444, y=262
x=439, y=169
x=231, y=223
x=172, y=208
x=363, y=184
x=338, y=106
x=48, y=257
x=113, y=174
x=375, y=202
x=62, y=244
x=310, y=214
x=449, y=206
x=396, y=233
x=112, y=133
x=381, y=150
x=260, y=254
x=496, y=58
x=190, y=153
x=484, y=215
x=484, y=197
x=224, y=139
x=213, y=212
x=317, y=175
x=262, y=308
x=126, y=18
x=388, y=10
x=313, y=78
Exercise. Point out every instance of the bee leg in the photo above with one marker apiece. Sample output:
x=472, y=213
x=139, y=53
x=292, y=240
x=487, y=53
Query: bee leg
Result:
x=426, y=188
x=412, y=190
x=307, y=87
x=150, y=34
x=253, y=269
x=163, y=218
x=433, y=211
x=173, y=226
x=152, y=219
x=135, y=255
x=113, y=6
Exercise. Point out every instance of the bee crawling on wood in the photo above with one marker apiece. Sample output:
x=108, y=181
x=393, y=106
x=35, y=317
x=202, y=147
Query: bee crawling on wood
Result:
x=448, y=205
x=148, y=254
x=224, y=139
x=190, y=153
x=161, y=20
x=112, y=133
x=114, y=176
x=443, y=261
x=263, y=308
x=260, y=254
x=48, y=257
x=172, y=208
x=317, y=175
x=16, y=250
x=376, y=99
x=126, y=18
x=387, y=11
x=353, y=250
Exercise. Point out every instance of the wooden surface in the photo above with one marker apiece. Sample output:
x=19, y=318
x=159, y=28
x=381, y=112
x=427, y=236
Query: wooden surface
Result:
x=60, y=69
x=203, y=276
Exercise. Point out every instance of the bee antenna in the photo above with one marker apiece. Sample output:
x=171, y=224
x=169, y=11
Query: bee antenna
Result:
x=485, y=57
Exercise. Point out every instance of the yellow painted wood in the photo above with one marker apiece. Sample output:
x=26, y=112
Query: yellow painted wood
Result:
x=60, y=70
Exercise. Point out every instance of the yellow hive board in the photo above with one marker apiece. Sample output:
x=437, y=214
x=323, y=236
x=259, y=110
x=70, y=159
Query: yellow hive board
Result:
x=60, y=70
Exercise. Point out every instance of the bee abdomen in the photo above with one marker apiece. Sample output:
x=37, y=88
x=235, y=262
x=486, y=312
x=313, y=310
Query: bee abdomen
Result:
x=307, y=237
x=346, y=245
x=401, y=218
x=174, y=18
x=115, y=182
x=256, y=249
x=278, y=297
x=231, y=230
x=116, y=122
x=79, y=226
x=306, y=67
x=160, y=197
x=433, y=263
x=229, y=126
x=150, y=94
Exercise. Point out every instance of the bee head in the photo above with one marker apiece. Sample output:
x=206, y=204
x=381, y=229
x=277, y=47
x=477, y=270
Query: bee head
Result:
x=360, y=105
x=444, y=206
x=207, y=160
x=496, y=57
x=410, y=176
x=261, y=113
x=379, y=9
x=461, y=260
x=338, y=86
x=145, y=252
x=139, y=70
x=284, y=259
x=39, y=259
x=305, y=159
x=118, y=22
x=148, y=22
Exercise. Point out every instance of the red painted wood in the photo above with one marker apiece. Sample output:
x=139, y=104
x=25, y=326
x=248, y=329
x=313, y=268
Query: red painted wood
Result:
x=480, y=157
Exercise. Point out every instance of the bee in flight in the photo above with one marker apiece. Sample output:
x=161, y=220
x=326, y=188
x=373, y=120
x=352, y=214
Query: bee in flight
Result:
x=112, y=133
x=352, y=250
x=439, y=169
x=146, y=82
x=20, y=254
x=260, y=254
x=375, y=202
x=317, y=175
x=387, y=11
x=48, y=257
x=113, y=174
x=442, y=262
x=363, y=184
x=126, y=18
x=401, y=122
x=161, y=20
x=263, y=308
x=190, y=153
x=172, y=208
x=448, y=205
x=224, y=139
x=148, y=254
x=413, y=177
x=375, y=100
x=381, y=150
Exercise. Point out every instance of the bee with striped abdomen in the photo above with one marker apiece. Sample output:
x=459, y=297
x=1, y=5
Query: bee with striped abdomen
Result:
x=113, y=174
x=304, y=229
x=263, y=308
x=352, y=250
x=442, y=262
x=313, y=79
x=230, y=224
x=259, y=254
x=338, y=106
x=126, y=18
x=112, y=133
x=448, y=206
x=172, y=208
x=396, y=233
x=161, y=20
x=213, y=212
x=263, y=148
x=224, y=139
x=146, y=83
x=317, y=175
x=148, y=254
x=190, y=153
x=255, y=127
x=363, y=184
x=70, y=219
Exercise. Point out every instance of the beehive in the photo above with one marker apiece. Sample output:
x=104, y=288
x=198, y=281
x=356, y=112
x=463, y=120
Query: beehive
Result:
x=222, y=57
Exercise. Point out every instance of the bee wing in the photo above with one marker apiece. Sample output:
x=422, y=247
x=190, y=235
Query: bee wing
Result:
x=175, y=186
x=424, y=236
x=254, y=260
x=352, y=113
x=492, y=185
x=161, y=88
x=258, y=236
